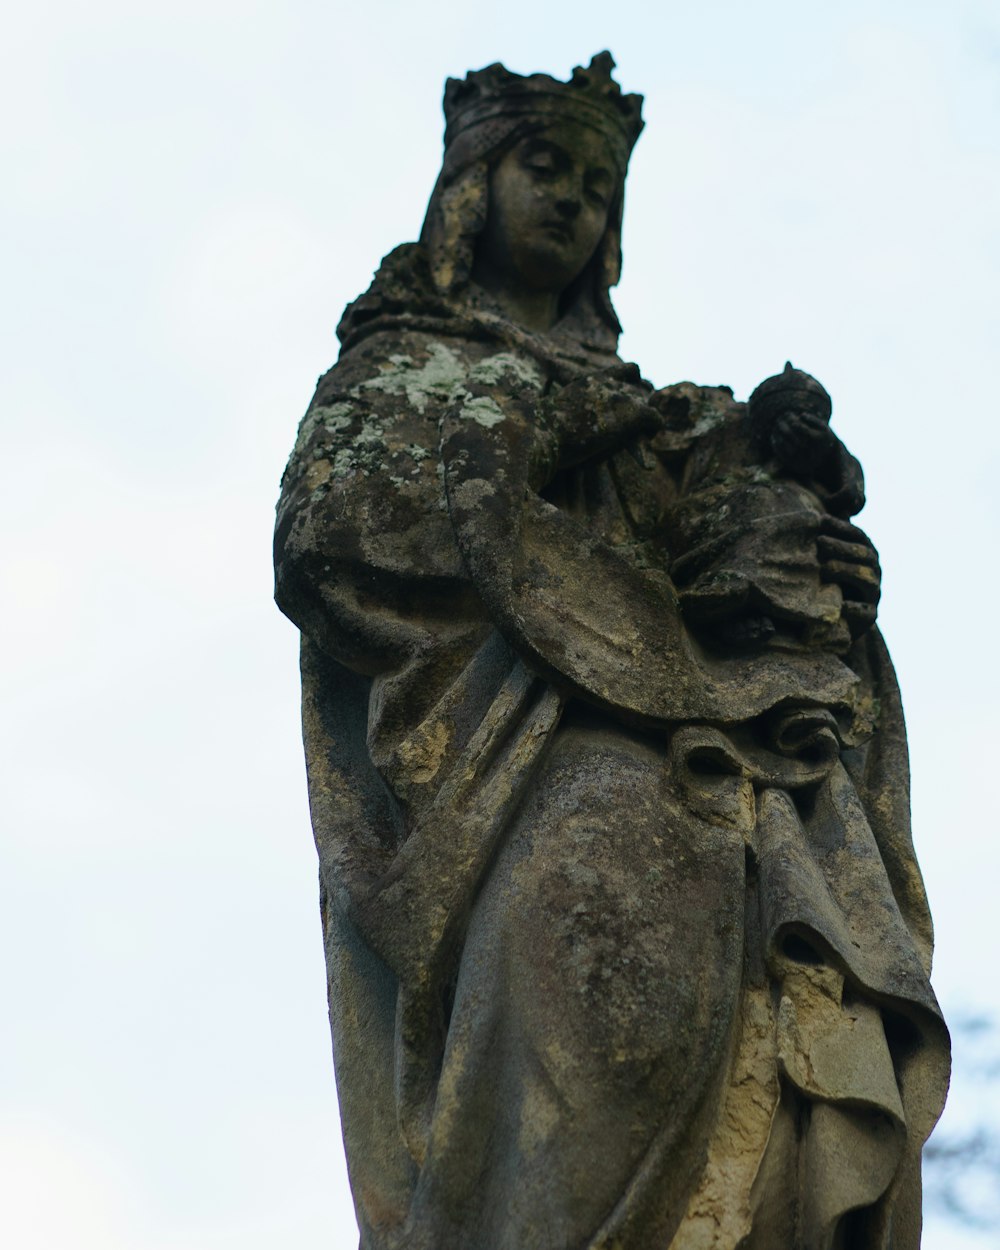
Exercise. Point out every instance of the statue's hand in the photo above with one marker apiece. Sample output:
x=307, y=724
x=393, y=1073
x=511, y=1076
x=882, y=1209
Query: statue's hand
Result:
x=802, y=442
x=598, y=414
x=848, y=559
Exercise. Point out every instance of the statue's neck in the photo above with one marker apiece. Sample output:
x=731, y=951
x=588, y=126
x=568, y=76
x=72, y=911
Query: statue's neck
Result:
x=534, y=310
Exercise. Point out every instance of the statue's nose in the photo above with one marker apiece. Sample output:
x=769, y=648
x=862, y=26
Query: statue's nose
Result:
x=568, y=206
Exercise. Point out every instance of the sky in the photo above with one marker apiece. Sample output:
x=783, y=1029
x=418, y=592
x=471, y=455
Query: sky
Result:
x=193, y=191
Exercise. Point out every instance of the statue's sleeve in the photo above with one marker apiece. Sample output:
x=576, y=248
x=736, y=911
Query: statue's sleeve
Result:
x=844, y=495
x=365, y=561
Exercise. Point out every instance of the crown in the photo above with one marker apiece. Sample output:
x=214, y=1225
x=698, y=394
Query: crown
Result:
x=791, y=386
x=591, y=97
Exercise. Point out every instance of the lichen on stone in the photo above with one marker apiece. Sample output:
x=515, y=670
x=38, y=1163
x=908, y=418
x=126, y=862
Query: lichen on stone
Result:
x=493, y=369
x=331, y=419
x=483, y=410
x=439, y=378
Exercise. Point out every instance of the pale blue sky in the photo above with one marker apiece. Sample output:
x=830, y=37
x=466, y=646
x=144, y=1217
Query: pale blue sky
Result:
x=193, y=191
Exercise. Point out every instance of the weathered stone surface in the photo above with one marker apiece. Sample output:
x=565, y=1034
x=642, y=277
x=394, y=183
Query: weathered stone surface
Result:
x=627, y=944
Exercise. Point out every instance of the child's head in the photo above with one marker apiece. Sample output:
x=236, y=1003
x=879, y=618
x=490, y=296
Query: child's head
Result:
x=789, y=391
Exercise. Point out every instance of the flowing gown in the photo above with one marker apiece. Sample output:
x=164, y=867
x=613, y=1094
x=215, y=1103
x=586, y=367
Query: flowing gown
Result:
x=626, y=941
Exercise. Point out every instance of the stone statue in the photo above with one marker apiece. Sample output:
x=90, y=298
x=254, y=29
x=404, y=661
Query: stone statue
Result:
x=627, y=945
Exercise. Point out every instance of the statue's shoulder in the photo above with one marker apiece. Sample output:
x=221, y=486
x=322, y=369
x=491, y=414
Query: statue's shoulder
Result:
x=402, y=290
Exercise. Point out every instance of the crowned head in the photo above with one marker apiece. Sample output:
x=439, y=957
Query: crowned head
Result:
x=484, y=108
x=532, y=180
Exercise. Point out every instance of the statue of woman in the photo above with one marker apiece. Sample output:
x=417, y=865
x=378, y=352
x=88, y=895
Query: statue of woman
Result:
x=626, y=941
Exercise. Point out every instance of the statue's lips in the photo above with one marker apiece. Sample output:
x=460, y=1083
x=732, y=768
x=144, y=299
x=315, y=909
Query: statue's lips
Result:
x=559, y=230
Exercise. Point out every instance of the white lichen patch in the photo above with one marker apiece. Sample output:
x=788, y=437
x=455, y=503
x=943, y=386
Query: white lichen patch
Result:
x=344, y=462
x=505, y=364
x=371, y=434
x=441, y=377
x=365, y=452
x=483, y=410
x=330, y=419
x=444, y=377
x=348, y=438
x=708, y=421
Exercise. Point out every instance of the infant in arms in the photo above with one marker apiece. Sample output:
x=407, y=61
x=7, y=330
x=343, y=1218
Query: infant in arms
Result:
x=762, y=550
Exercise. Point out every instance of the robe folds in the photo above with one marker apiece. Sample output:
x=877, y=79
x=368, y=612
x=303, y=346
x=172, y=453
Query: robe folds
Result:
x=626, y=941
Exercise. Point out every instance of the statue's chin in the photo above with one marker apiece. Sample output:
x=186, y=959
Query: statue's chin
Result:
x=550, y=265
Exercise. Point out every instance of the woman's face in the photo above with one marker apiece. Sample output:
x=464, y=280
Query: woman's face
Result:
x=548, y=208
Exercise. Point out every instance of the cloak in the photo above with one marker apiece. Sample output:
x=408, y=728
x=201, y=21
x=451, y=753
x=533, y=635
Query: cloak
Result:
x=626, y=941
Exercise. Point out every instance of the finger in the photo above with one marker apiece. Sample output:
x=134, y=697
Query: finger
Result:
x=787, y=440
x=805, y=422
x=787, y=426
x=814, y=421
x=836, y=527
x=858, y=616
x=838, y=549
x=858, y=581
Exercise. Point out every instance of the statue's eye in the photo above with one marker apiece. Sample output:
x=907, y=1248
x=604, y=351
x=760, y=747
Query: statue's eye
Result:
x=541, y=163
x=543, y=160
x=597, y=189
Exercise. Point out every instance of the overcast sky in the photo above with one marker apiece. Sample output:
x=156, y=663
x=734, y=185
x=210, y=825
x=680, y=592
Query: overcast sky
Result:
x=193, y=191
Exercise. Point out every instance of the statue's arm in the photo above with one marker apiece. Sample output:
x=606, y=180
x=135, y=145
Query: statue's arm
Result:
x=808, y=449
x=573, y=605
x=364, y=561
x=705, y=439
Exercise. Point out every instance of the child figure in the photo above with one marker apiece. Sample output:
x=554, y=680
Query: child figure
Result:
x=761, y=547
